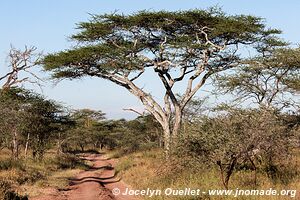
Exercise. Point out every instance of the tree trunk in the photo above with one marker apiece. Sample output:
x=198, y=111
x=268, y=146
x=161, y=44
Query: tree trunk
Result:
x=82, y=147
x=255, y=170
x=171, y=134
x=229, y=171
x=59, y=147
x=176, y=126
x=15, y=150
x=167, y=140
x=27, y=144
x=60, y=142
x=159, y=136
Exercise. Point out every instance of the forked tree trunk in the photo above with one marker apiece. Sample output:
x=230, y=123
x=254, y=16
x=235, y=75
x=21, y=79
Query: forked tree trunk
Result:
x=82, y=147
x=255, y=170
x=227, y=171
x=171, y=132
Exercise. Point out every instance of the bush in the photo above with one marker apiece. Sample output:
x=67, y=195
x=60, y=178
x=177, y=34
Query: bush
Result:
x=30, y=176
x=238, y=140
x=68, y=161
x=283, y=174
x=11, y=164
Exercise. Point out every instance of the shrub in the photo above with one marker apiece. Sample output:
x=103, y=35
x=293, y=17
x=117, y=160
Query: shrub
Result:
x=238, y=140
x=11, y=164
x=30, y=176
x=68, y=161
x=283, y=174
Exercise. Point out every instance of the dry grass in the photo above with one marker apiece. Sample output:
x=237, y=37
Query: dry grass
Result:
x=29, y=178
x=142, y=170
x=57, y=180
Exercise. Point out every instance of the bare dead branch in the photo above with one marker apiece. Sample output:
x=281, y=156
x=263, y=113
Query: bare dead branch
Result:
x=135, y=111
x=20, y=63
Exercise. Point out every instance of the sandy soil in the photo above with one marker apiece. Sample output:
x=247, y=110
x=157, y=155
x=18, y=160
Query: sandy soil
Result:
x=95, y=183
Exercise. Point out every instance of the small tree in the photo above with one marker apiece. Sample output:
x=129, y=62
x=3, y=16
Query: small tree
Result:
x=237, y=138
x=12, y=121
x=87, y=117
x=43, y=119
x=270, y=79
x=28, y=118
x=177, y=46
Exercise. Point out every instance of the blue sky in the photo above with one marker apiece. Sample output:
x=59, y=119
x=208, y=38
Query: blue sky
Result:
x=47, y=24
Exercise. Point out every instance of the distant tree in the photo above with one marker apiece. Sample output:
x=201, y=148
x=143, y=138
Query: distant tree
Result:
x=85, y=131
x=153, y=130
x=270, y=79
x=43, y=119
x=15, y=101
x=183, y=46
x=12, y=121
x=27, y=118
x=86, y=117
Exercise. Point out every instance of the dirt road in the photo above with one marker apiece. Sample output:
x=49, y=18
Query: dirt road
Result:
x=95, y=183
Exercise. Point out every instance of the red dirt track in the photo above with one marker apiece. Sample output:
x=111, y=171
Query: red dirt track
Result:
x=95, y=183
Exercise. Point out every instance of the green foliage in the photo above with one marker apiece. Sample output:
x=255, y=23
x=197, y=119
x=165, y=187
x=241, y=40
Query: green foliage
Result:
x=117, y=41
x=240, y=140
x=270, y=79
x=92, y=131
x=45, y=119
x=11, y=164
x=28, y=119
x=142, y=133
x=68, y=161
x=196, y=43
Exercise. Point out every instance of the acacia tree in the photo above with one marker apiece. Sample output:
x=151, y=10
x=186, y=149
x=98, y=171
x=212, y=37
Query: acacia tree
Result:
x=270, y=79
x=85, y=131
x=12, y=120
x=20, y=64
x=29, y=119
x=86, y=117
x=43, y=119
x=180, y=47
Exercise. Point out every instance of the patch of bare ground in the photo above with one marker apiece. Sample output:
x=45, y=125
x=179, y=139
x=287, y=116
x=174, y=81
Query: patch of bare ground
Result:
x=93, y=184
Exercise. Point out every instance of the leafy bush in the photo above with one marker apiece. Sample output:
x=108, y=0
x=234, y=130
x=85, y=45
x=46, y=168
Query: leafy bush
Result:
x=68, y=161
x=11, y=164
x=30, y=176
x=240, y=140
x=283, y=174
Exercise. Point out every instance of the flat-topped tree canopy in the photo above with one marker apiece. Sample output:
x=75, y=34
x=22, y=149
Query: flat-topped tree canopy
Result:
x=112, y=42
x=120, y=47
